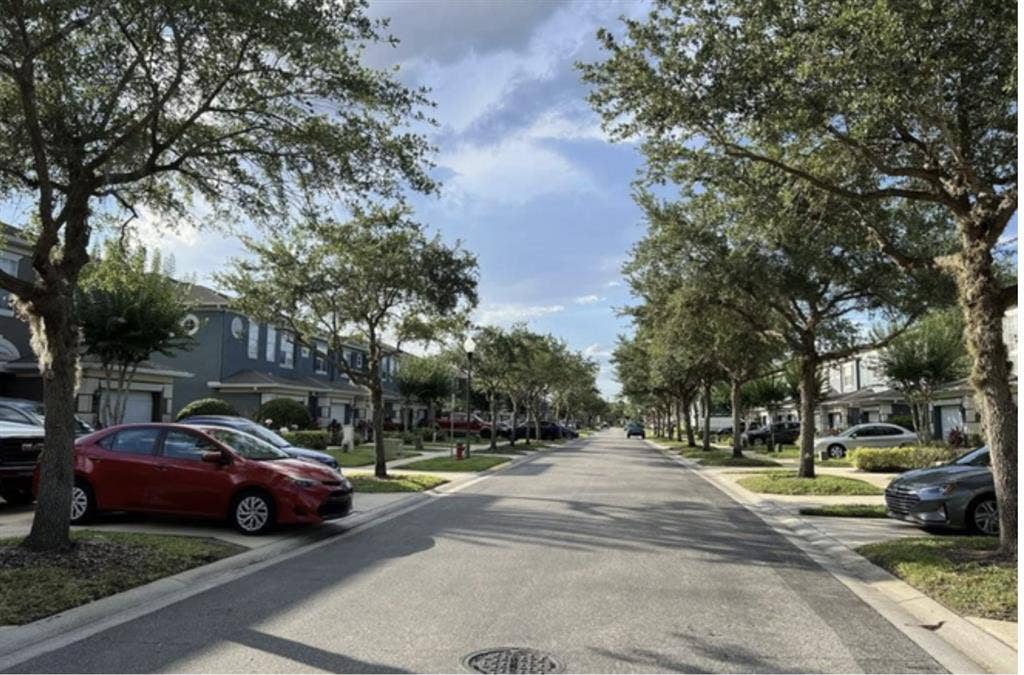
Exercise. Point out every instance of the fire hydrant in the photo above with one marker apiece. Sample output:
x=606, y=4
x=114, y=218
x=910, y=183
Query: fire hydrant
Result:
x=458, y=451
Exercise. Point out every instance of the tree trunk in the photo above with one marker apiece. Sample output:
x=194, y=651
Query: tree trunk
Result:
x=734, y=399
x=536, y=421
x=983, y=308
x=808, y=394
x=380, y=467
x=707, y=417
x=430, y=420
x=56, y=334
x=494, y=421
x=688, y=423
x=515, y=422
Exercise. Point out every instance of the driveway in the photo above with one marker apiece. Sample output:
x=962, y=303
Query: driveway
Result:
x=603, y=554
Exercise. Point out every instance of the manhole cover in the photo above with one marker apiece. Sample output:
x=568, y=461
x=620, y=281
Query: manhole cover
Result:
x=511, y=660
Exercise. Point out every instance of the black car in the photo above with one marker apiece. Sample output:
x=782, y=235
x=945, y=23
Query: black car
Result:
x=549, y=431
x=784, y=432
x=20, y=446
x=24, y=411
x=635, y=429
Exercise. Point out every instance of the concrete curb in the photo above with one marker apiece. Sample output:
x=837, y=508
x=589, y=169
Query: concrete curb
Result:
x=957, y=644
x=21, y=643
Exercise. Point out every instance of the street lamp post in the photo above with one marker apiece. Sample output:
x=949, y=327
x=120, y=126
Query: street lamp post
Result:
x=469, y=346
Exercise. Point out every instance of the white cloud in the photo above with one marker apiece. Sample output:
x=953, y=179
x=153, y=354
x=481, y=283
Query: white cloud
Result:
x=597, y=351
x=511, y=312
x=196, y=252
x=614, y=283
x=567, y=123
x=514, y=170
x=588, y=299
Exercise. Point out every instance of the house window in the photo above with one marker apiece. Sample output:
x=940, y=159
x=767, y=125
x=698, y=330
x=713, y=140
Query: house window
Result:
x=190, y=324
x=254, y=339
x=320, y=358
x=271, y=343
x=848, y=382
x=9, y=264
x=287, y=350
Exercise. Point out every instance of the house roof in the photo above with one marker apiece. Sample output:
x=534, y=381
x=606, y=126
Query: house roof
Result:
x=203, y=296
x=865, y=395
x=256, y=380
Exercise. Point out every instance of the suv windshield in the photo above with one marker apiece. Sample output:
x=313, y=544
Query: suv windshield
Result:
x=265, y=434
x=246, y=445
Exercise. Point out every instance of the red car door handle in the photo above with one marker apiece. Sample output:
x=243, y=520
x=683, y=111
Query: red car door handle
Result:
x=162, y=467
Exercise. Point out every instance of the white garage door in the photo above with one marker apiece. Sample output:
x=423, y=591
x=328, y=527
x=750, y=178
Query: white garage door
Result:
x=139, y=407
x=951, y=419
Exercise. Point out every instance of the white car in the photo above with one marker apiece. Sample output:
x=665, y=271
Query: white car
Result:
x=871, y=435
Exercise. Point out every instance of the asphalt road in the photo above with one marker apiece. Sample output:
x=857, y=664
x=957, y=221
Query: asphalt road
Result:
x=605, y=555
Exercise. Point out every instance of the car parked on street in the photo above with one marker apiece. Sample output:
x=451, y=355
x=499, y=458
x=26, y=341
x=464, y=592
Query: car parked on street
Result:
x=202, y=471
x=870, y=435
x=635, y=429
x=24, y=411
x=20, y=446
x=784, y=433
x=959, y=495
x=261, y=432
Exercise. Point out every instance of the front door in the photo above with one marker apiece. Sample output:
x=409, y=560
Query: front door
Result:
x=187, y=484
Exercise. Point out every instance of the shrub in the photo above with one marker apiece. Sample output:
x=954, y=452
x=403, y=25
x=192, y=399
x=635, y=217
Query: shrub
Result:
x=887, y=460
x=905, y=421
x=206, y=406
x=284, y=412
x=314, y=440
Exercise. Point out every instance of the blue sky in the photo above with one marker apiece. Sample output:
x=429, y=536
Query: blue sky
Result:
x=529, y=181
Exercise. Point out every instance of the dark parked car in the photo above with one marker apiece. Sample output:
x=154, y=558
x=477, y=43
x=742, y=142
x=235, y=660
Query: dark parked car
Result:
x=549, y=431
x=958, y=495
x=635, y=429
x=785, y=433
x=20, y=445
x=24, y=411
x=202, y=471
x=260, y=431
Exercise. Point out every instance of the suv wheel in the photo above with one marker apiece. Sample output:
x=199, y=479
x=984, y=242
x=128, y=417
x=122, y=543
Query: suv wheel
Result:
x=983, y=516
x=253, y=513
x=83, y=503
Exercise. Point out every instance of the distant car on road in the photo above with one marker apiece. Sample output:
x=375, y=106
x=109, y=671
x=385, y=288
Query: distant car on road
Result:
x=261, y=432
x=635, y=429
x=784, y=433
x=20, y=446
x=871, y=435
x=202, y=471
x=958, y=495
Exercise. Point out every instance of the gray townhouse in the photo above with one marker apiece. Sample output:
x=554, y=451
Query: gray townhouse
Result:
x=151, y=397
x=248, y=363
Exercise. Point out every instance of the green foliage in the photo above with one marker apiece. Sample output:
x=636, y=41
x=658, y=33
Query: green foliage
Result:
x=960, y=572
x=206, y=406
x=928, y=356
x=364, y=456
x=129, y=309
x=724, y=458
x=786, y=483
x=312, y=439
x=427, y=379
x=395, y=483
x=105, y=563
x=284, y=412
x=895, y=460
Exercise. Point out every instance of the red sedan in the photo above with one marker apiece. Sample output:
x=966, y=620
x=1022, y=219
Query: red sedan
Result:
x=202, y=471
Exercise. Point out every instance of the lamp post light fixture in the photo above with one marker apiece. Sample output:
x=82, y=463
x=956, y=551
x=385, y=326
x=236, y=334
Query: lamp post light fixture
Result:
x=469, y=346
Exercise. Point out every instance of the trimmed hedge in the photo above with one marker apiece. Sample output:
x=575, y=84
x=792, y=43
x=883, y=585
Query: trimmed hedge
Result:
x=314, y=440
x=894, y=460
x=206, y=406
x=284, y=412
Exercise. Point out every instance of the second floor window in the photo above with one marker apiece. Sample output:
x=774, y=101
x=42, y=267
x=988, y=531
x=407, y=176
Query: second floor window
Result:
x=287, y=351
x=271, y=343
x=254, y=339
x=9, y=264
x=320, y=358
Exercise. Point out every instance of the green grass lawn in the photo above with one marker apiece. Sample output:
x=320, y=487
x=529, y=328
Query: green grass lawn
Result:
x=956, y=571
x=364, y=482
x=724, y=458
x=36, y=585
x=365, y=455
x=794, y=453
x=474, y=463
x=787, y=483
x=846, y=511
